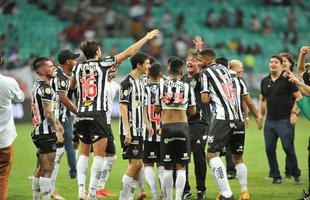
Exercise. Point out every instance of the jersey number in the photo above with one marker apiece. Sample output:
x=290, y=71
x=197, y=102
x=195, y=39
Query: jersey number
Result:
x=89, y=88
x=153, y=116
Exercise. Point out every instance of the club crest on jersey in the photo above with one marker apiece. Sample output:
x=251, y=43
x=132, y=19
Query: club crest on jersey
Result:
x=63, y=83
x=47, y=91
x=193, y=83
x=125, y=93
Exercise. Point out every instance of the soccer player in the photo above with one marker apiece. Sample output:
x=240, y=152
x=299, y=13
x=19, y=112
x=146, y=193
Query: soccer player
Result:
x=131, y=123
x=47, y=129
x=175, y=99
x=198, y=128
x=61, y=85
x=151, y=153
x=236, y=143
x=217, y=89
x=112, y=89
x=90, y=78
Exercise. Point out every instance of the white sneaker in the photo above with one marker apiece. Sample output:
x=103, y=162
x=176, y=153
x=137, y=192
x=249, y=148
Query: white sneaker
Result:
x=91, y=197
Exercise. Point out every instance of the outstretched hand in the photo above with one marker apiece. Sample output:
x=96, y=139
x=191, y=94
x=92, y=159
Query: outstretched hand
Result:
x=198, y=42
x=152, y=34
x=291, y=77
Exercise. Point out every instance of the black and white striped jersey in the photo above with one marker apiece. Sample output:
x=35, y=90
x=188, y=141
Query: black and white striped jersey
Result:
x=216, y=81
x=131, y=94
x=241, y=90
x=150, y=90
x=203, y=113
x=60, y=83
x=91, y=77
x=41, y=92
x=175, y=94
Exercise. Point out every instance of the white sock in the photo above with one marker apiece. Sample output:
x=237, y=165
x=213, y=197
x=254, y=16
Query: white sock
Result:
x=96, y=173
x=35, y=188
x=126, y=182
x=132, y=188
x=45, y=188
x=242, y=174
x=107, y=166
x=81, y=167
x=168, y=183
x=220, y=177
x=180, y=184
x=59, y=153
x=150, y=179
x=141, y=179
x=160, y=171
x=76, y=154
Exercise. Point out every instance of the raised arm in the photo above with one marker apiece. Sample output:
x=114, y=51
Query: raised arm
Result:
x=301, y=60
x=135, y=47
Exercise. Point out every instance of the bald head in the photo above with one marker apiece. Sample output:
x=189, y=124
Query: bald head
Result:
x=237, y=66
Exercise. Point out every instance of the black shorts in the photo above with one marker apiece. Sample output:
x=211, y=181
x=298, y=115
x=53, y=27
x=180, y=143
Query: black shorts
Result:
x=134, y=150
x=236, y=140
x=44, y=143
x=91, y=126
x=110, y=145
x=151, y=152
x=198, y=135
x=219, y=133
x=175, y=144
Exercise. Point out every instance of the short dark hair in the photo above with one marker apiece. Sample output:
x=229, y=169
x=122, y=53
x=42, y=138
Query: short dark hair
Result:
x=138, y=58
x=89, y=48
x=277, y=57
x=290, y=58
x=152, y=59
x=222, y=60
x=37, y=63
x=176, y=65
x=155, y=70
x=207, y=53
x=172, y=58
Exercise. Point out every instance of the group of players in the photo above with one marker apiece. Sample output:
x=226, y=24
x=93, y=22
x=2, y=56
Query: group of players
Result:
x=163, y=119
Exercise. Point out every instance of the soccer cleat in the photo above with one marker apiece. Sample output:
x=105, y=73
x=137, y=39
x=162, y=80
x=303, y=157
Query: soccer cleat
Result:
x=104, y=193
x=225, y=198
x=244, y=196
x=187, y=195
x=231, y=175
x=297, y=180
x=89, y=197
x=56, y=196
x=201, y=195
x=142, y=196
x=82, y=195
x=277, y=181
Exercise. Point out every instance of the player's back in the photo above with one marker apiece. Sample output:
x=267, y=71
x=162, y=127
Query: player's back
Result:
x=91, y=79
x=174, y=96
x=217, y=81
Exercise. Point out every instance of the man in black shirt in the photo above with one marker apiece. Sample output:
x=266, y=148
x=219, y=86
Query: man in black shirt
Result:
x=198, y=127
x=277, y=93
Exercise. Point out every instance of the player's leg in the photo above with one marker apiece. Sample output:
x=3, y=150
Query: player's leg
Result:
x=142, y=193
x=236, y=146
x=99, y=148
x=46, y=168
x=35, y=181
x=219, y=131
x=82, y=168
x=59, y=154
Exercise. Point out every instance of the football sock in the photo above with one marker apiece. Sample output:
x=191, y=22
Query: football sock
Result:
x=150, y=179
x=141, y=179
x=160, y=170
x=35, y=188
x=168, y=183
x=220, y=177
x=242, y=173
x=180, y=184
x=45, y=188
x=96, y=172
x=81, y=168
x=59, y=154
x=126, y=182
x=107, y=166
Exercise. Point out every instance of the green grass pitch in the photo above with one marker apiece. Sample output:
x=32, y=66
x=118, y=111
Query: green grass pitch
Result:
x=255, y=159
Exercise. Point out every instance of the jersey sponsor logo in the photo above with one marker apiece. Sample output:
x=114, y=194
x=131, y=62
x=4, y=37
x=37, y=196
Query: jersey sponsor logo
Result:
x=167, y=140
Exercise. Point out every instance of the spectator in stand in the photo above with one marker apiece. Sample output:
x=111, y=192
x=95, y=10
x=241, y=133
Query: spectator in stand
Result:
x=179, y=21
x=255, y=24
x=110, y=20
x=211, y=19
x=166, y=22
x=267, y=25
x=223, y=22
x=257, y=49
x=239, y=18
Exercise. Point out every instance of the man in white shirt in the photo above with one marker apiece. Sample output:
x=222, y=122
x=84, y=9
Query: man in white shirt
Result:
x=9, y=91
